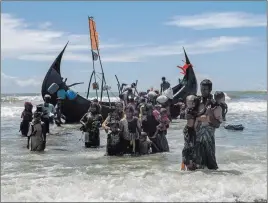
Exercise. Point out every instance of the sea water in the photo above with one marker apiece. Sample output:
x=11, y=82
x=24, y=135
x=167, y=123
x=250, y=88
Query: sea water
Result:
x=66, y=171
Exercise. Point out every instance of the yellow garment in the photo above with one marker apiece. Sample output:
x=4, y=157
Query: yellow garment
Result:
x=141, y=111
x=183, y=166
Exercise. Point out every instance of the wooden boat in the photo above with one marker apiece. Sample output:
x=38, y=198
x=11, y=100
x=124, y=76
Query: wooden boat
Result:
x=186, y=87
x=73, y=110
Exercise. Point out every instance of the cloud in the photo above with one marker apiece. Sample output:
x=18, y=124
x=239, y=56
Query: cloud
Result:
x=19, y=38
x=203, y=46
x=45, y=25
x=22, y=41
x=219, y=20
x=212, y=45
x=7, y=80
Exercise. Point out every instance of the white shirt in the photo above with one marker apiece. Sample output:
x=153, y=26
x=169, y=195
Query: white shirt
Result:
x=48, y=110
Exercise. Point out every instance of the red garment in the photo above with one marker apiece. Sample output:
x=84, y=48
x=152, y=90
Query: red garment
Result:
x=156, y=114
x=164, y=122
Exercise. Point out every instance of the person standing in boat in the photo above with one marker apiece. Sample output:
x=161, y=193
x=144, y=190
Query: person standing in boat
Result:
x=127, y=95
x=91, y=122
x=208, y=120
x=164, y=85
x=130, y=129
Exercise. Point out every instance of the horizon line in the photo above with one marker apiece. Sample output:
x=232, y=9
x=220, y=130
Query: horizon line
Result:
x=117, y=91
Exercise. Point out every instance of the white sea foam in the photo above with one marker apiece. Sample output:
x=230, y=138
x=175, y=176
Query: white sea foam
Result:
x=38, y=98
x=15, y=107
x=227, y=98
x=247, y=106
x=11, y=111
x=68, y=172
x=233, y=182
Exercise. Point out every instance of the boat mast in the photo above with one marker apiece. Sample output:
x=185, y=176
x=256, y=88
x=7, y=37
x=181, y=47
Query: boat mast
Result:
x=102, y=72
x=90, y=82
x=93, y=63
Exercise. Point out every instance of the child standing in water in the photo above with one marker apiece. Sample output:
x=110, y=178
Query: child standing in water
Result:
x=114, y=146
x=188, y=152
x=27, y=116
x=144, y=145
x=130, y=128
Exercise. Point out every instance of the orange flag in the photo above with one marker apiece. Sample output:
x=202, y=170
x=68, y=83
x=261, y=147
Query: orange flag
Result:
x=94, y=37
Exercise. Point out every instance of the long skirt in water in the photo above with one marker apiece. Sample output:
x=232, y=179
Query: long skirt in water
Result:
x=188, y=152
x=205, y=147
x=24, y=127
x=114, y=144
x=160, y=143
x=92, y=139
x=37, y=143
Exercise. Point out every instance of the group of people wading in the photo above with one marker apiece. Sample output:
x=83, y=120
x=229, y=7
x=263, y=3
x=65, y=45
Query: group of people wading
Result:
x=35, y=126
x=133, y=127
x=138, y=125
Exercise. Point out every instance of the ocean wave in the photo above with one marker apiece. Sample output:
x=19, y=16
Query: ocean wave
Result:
x=38, y=98
x=13, y=99
x=230, y=184
x=248, y=107
x=13, y=105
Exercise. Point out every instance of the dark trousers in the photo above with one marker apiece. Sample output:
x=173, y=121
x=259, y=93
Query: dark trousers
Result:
x=46, y=122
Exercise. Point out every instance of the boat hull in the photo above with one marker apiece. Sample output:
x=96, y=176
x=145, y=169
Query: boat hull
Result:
x=73, y=110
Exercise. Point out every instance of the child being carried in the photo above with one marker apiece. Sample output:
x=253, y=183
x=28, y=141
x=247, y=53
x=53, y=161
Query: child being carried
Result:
x=163, y=121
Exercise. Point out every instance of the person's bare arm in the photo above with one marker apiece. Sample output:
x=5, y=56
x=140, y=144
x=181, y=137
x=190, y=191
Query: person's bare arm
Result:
x=29, y=135
x=22, y=114
x=202, y=118
x=139, y=125
x=218, y=114
x=178, y=104
x=104, y=124
x=226, y=108
x=83, y=120
x=53, y=109
x=121, y=127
